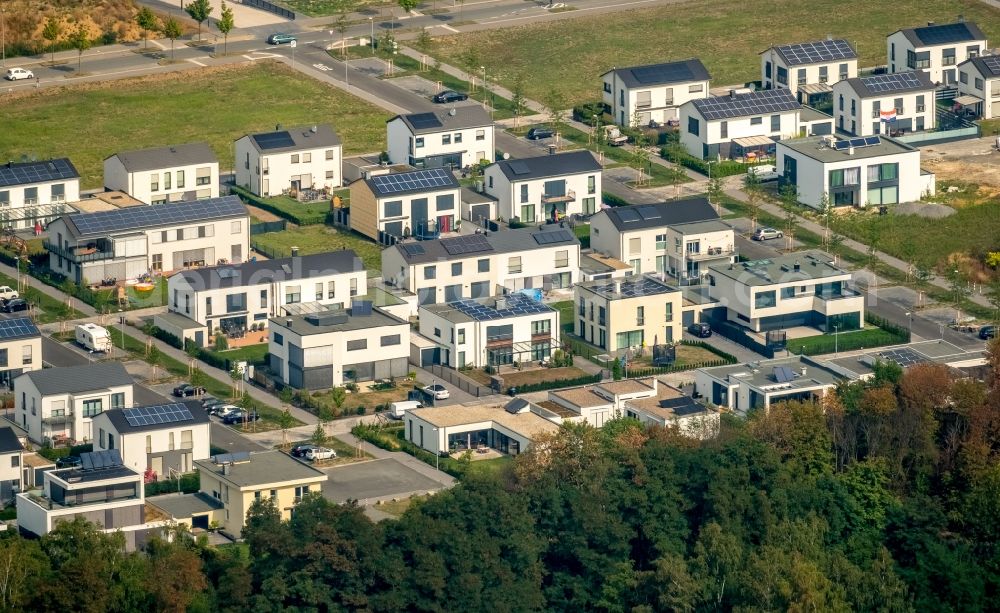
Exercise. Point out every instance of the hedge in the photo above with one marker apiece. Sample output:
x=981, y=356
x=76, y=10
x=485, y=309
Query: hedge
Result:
x=887, y=333
x=190, y=482
x=559, y=383
x=613, y=200
x=300, y=219
x=724, y=168
x=54, y=453
x=587, y=111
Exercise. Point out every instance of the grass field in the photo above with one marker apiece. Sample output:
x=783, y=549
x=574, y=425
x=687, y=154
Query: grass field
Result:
x=88, y=123
x=569, y=56
x=320, y=239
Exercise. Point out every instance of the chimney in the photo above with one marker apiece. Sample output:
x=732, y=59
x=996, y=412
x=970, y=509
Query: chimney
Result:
x=930, y=23
x=802, y=371
x=295, y=252
x=227, y=468
x=961, y=19
x=850, y=150
x=501, y=304
x=288, y=322
x=277, y=127
x=829, y=37
x=732, y=93
x=618, y=286
x=797, y=267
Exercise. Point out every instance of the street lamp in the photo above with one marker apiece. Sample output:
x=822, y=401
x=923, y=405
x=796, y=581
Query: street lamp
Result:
x=437, y=454
x=910, y=330
x=3, y=36
x=371, y=20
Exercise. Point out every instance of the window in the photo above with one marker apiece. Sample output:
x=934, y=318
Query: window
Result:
x=876, y=110
x=180, y=179
x=331, y=289
x=446, y=139
x=918, y=60
x=776, y=123
x=100, y=437
x=696, y=89
x=844, y=177
x=430, y=272
x=203, y=176
x=897, y=103
x=892, y=51
x=59, y=191
x=445, y=202
x=592, y=184
x=166, y=180
x=640, y=316
x=763, y=300
x=187, y=441
x=629, y=339
x=670, y=312
x=295, y=158
x=724, y=129
x=607, y=87
x=236, y=303
x=693, y=247
x=562, y=258
x=528, y=213
x=823, y=74
x=457, y=138
x=393, y=208
x=456, y=269
x=787, y=292
x=118, y=400
x=972, y=50
x=354, y=287
x=329, y=154
x=208, y=306
x=390, y=340
x=357, y=345
x=187, y=303
x=589, y=206
x=154, y=182
x=293, y=294
x=621, y=97
x=843, y=72
x=963, y=77
x=480, y=134
x=514, y=265
x=437, y=332
x=661, y=241
x=979, y=84
x=461, y=336
x=854, y=108
x=5, y=197
x=307, y=158
x=279, y=339
x=948, y=57
x=801, y=78
x=883, y=195
x=840, y=102
x=756, y=121
x=920, y=103
x=483, y=265
x=693, y=127
x=767, y=69
x=524, y=193
x=92, y=407
x=661, y=263
x=782, y=77
x=319, y=291
x=643, y=100
x=236, y=227
x=263, y=298
x=636, y=265
x=171, y=442
x=418, y=143
x=329, y=174
x=26, y=357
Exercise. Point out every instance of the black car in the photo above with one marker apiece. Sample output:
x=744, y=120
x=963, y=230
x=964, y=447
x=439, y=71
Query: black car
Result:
x=14, y=305
x=700, y=330
x=299, y=451
x=540, y=133
x=238, y=417
x=988, y=332
x=182, y=391
x=449, y=95
x=70, y=461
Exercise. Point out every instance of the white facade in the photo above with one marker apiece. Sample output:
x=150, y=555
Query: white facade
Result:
x=743, y=387
x=638, y=101
x=303, y=159
x=464, y=136
x=907, y=51
x=166, y=174
x=452, y=428
x=859, y=114
x=982, y=80
x=165, y=450
x=777, y=72
x=550, y=188
x=708, y=138
x=887, y=173
x=19, y=355
x=22, y=204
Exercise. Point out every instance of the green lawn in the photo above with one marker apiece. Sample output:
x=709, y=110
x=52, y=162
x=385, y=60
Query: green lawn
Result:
x=568, y=56
x=90, y=122
x=48, y=309
x=320, y=239
x=255, y=354
x=392, y=438
x=845, y=341
x=324, y=8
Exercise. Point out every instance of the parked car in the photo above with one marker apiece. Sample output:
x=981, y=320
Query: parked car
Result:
x=540, y=133
x=438, y=391
x=449, y=95
x=763, y=234
x=764, y=172
x=988, y=332
x=186, y=389
x=15, y=305
x=15, y=74
x=299, y=451
x=398, y=409
x=239, y=416
x=700, y=330
x=224, y=410
x=69, y=461
x=209, y=400
x=280, y=38
x=7, y=292
x=320, y=453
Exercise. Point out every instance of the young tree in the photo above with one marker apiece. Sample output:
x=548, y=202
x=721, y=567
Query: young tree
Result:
x=959, y=291
x=826, y=210
x=342, y=28
x=51, y=33
x=199, y=10
x=714, y=190
x=754, y=192
x=424, y=40
x=236, y=376
x=285, y=421
x=80, y=40
x=408, y=5
x=172, y=30
x=555, y=108
x=225, y=24
x=147, y=22
x=154, y=358
x=318, y=436
x=517, y=99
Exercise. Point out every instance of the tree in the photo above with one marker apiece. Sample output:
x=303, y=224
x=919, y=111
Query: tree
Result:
x=225, y=24
x=754, y=191
x=826, y=210
x=408, y=5
x=80, y=39
x=173, y=578
x=154, y=358
x=199, y=10
x=235, y=375
x=424, y=40
x=517, y=98
x=555, y=108
x=318, y=436
x=51, y=32
x=342, y=28
x=172, y=30
x=338, y=395
x=147, y=21
x=714, y=191
x=959, y=291
x=285, y=421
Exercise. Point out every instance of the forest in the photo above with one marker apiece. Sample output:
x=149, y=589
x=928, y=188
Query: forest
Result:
x=885, y=497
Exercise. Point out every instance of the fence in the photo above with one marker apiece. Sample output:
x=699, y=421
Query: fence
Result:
x=264, y=5
x=270, y=253
x=268, y=226
x=340, y=217
x=460, y=381
x=736, y=334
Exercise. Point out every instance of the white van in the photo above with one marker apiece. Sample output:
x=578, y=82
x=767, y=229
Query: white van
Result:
x=398, y=409
x=93, y=338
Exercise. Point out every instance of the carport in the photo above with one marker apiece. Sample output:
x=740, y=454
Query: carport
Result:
x=196, y=510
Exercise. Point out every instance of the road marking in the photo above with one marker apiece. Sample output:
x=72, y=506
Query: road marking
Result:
x=196, y=62
x=158, y=44
x=251, y=58
x=322, y=67
x=577, y=11
x=447, y=27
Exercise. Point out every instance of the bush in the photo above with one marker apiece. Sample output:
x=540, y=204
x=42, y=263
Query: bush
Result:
x=190, y=482
x=587, y=111
x=302, y=218
x=725, y=168
x=612, y=200
x=558, y=383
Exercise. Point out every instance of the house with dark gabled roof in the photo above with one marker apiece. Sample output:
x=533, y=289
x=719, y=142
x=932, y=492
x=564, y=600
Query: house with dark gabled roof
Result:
x=454, y=138
x=545, y=188
x=164, y=174
x=890, y=104
x=289, y=160
x=638, y=95
x=679, y=238
x=35, y=192
x=936, y=49
x=421, y=203
x=810, y=68
x=979, y=85
x=11, y=456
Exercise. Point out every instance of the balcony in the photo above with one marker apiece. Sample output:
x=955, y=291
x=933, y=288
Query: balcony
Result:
x=569, y=196
x=710, y=254
x=79, y=254
x=844, y=293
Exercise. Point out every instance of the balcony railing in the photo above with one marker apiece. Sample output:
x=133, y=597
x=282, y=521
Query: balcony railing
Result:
x=58, y=419
x=710, y=253
x=567, y=197
x=79, y=254
x=844, y=293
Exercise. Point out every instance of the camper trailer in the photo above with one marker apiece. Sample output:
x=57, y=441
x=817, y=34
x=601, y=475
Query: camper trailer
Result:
x=93, y=338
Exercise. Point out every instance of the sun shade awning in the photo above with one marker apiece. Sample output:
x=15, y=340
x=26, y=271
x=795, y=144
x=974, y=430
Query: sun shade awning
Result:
x=753, y=141
x=815, y=88
x=967, y=100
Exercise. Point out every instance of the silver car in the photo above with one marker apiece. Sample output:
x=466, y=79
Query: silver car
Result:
x=763, y=234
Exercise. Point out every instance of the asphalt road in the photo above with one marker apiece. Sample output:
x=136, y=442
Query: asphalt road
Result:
x=921, y=326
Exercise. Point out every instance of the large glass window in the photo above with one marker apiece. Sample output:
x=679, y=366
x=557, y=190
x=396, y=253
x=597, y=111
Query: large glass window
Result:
x=763, y=300
x=883, y=195
x=845, y=176
x=393, y=208
x=632, y=338
x=92, y=407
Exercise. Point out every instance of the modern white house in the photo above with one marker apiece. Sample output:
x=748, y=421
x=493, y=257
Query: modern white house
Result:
x=935, y=49
x=130, y=242
x=638, y=95
x=451, y=429
x=885, y=104
x=455, y=138
x=36, y=192
x=329, y=348
x=798, y=289
x=278, y=162
x=482, y=265
x=979, y=78
x=679, y=238
x=746, y=124
x=228, y=298
x=11, y=464
x=744, y=387
x=546, y=188
x=632, y=313
x=873, y=170
x=61, y=403
x=817, y=63
x=491, y=331
x=20, y=349
x=422, y=204
x=159, y=441
x=164, y=174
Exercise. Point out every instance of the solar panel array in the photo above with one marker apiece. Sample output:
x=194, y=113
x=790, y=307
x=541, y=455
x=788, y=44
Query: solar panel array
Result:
x=519, y=168
x=424, y=121
x=783, y=374
x=17, y=328
x=97, y=460
x=903, y=356
x=629, y=214
x=227, y=273
x=361, y=308
x=815, y=52
x=136, y=217
x=473, y=243
x=648, y=211
x=158, y=414
x=891, y=82
x=36, y=172
x=943, y=34
x=857, y=143
x=231, y=458
x=762, y=102
x=552, y=236
x=274, y=140
x=414, y=181
x=632, y=288
x=663, y=73
x=412, y=249
x=517, y=304
x=992, y=62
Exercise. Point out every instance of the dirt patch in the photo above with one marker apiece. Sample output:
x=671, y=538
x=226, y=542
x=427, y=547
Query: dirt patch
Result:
x=262, y=215
x=973, y=170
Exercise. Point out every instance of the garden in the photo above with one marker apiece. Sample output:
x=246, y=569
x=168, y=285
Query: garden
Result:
x=319, y=239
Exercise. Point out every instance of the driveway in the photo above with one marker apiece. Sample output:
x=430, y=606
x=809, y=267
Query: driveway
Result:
x=367, y=482
x=722, y=343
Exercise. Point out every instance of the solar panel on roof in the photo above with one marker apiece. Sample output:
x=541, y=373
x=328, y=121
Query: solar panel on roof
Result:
x=274, y=140
x=412, y=249
x=36, y=172
x=472, y=243
x=136, y=217
x=992, y=62
x=157, y=414
x=512, y=305
x=628, y=214
x=891, y=82
x=663, y=73
x=86, y=461
x=841, y=145
x=423, y=121
x=904, y=356
x=783, y=374
x=519, y=168
x=418, y=180
x=871, y=141
x=552, y=236
x=762, y=102
x=648, y=212
x=945, y=33
x=17, y=328
x=818, y=51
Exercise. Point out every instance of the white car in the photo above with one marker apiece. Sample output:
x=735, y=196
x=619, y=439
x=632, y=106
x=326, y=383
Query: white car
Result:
x=320, y=453
x=222, y=410
x=7, y=292
x=15, y=74
x=438, y=391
